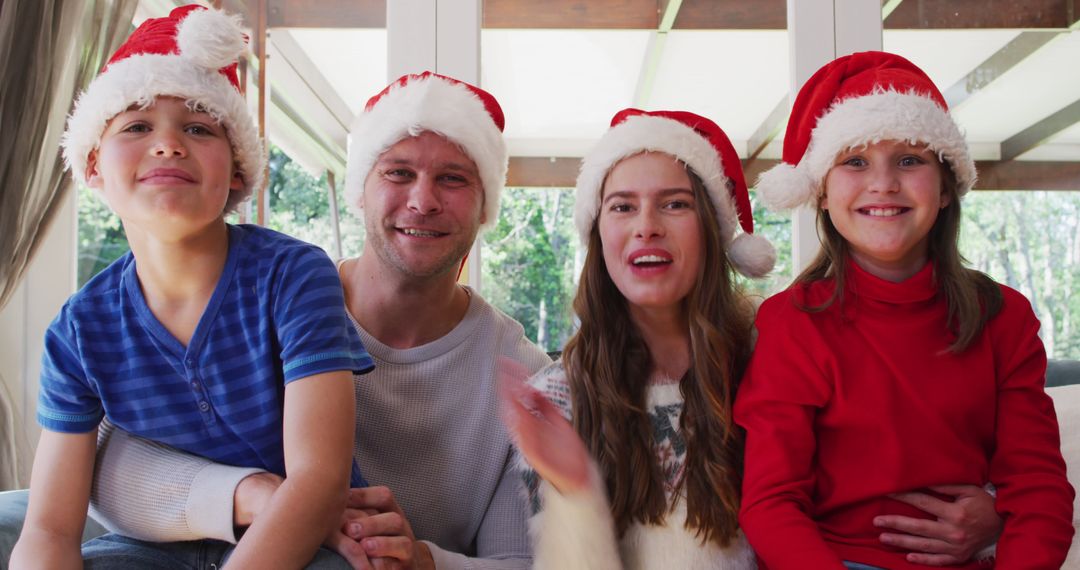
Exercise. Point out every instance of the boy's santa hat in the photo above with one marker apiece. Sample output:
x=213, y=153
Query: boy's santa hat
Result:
x=704, y=148
x=857, y=100
x=191, y=54
x=465, y=114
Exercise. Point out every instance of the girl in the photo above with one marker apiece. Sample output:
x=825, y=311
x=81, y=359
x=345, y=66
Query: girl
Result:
x=888, y=366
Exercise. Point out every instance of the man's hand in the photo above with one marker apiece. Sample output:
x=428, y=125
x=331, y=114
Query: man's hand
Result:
x=963, y=527
x=349, y=549
x=385, y=534
x=253, y=495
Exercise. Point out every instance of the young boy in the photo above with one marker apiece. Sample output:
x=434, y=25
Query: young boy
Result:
x=229, y=342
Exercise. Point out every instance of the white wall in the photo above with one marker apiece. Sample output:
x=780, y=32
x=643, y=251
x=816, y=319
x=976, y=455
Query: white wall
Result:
x=48, y=282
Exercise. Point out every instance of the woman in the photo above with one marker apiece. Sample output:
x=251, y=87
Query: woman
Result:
x=888, y=366
x=658, y=203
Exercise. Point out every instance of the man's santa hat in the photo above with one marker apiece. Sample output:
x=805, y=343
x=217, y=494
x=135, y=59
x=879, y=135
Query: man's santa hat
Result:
x=191, y=54
x=704, y=148
x=857, y=100
x=465, y=114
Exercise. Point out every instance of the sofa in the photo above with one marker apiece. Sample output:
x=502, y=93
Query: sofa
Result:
x=1062, y=381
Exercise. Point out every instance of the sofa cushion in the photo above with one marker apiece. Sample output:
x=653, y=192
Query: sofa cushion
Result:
x=1067, y=405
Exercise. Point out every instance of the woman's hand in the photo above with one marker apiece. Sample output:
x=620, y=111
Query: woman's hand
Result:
x=963, y=527
x=548, y=442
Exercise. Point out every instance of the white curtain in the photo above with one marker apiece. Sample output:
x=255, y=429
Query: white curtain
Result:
x=49, y=50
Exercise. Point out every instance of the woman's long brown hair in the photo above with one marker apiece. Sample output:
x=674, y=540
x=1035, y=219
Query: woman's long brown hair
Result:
x=972, y=297
x=608, y=368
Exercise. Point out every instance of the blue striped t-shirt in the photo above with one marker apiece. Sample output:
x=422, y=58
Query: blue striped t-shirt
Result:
x=276, y=315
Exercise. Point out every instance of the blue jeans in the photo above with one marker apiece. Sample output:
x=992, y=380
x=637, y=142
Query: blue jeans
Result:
x=860, y=566
x=113, y=551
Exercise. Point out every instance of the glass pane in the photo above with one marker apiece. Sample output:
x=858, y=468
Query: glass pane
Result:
x=531, y=260
x=777, y=228
x=1030, y=241
x=300, y=207
x=101, y=237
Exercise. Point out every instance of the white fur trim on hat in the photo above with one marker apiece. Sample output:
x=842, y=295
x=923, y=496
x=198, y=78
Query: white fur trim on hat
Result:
x=751, y=255
x=430, y=104
x=641, y=133
x=138, y=80
x=858, y=121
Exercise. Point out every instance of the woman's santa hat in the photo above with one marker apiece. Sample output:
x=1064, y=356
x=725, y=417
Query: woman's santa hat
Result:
x=857, y=100
x=191, y=54
x=704, y=148
x=465, y=114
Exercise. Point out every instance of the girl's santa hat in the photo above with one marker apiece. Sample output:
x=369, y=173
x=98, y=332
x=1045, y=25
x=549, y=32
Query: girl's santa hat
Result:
x=701, y=145
x=191, y=54
x=857, y=100
x=465, y=114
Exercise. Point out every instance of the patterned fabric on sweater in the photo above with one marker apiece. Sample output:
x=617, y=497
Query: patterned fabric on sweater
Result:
x=577, y=530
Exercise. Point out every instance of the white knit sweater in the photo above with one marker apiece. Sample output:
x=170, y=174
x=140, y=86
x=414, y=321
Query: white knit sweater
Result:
x=577, y=531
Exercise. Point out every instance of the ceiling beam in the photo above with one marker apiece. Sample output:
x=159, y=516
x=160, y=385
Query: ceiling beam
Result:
x=951, y=14
x=888, y=7
x=327, y=13
x=1012, y=53
x=769, y=128
x=732, y=15
x=562, y=172
x=297, y=59
x=693, y=15
x=600, y=14
x=654, y=52
x=1041, y=131
x=1028, y=175
x=555, y=172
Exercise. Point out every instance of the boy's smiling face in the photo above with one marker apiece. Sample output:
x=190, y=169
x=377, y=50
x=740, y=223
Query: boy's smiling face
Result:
x=165, y=167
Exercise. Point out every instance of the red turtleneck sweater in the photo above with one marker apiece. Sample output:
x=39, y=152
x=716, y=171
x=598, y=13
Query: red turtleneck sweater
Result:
x=845, y=406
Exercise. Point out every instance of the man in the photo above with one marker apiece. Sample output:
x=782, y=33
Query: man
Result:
x=426, y=166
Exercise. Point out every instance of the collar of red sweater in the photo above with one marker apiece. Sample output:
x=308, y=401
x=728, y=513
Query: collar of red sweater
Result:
x=917, y=288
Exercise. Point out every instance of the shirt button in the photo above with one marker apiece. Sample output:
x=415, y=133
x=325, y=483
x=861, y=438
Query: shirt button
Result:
x=204, y=406
x=195, y=385
x=190, y=362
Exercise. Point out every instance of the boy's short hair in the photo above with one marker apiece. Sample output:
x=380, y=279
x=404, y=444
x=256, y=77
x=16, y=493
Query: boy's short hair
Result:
x=191, y=54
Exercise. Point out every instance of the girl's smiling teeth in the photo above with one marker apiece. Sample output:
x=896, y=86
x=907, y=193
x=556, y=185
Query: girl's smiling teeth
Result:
x=883, y=212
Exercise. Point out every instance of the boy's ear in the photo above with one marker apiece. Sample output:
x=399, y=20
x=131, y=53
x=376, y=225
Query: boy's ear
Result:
x=93, y=177
x=237, y=182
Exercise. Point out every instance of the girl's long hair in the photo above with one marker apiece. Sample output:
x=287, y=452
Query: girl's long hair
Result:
x=608, y=368
x=972, y=297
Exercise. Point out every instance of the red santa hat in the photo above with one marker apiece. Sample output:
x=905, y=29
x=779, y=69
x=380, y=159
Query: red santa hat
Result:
x=190, y=54
x=465, y=114
x=857, y=100
x=704, y=148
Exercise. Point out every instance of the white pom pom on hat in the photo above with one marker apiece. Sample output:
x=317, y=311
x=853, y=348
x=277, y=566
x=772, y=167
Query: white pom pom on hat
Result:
x=211, y=39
